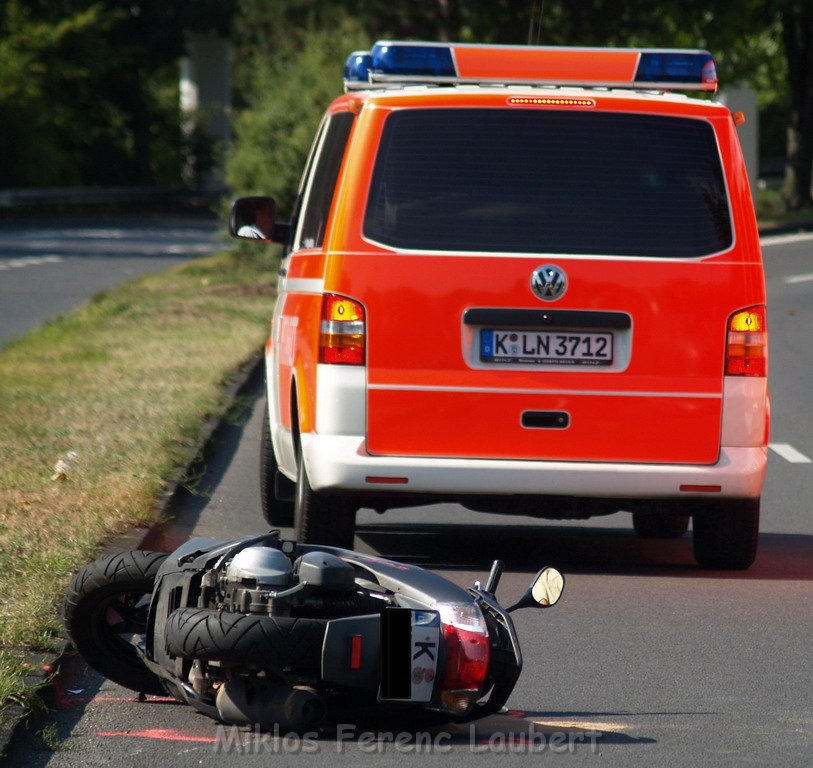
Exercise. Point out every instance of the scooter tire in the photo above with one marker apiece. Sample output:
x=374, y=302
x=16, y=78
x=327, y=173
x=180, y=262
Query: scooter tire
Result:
x=100, y=615
x=272, y=642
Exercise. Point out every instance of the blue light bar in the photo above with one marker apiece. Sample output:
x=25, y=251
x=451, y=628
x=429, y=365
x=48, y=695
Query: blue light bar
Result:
x=393, y=63
x=408, y=60
x=677, y=67
x=357, y=67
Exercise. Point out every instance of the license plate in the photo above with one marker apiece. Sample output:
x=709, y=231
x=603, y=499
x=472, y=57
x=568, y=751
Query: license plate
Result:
x=546, y=347
x=409, y=654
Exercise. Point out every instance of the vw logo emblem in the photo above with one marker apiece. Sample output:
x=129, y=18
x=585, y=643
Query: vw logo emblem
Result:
x=549, y=282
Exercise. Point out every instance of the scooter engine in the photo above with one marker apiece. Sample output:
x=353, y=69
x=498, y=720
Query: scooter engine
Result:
x=253, y=579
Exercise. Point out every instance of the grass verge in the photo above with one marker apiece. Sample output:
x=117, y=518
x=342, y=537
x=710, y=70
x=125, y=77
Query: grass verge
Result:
x=117, y=390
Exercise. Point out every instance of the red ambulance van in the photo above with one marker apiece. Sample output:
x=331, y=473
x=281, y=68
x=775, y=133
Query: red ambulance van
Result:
x=527, y=280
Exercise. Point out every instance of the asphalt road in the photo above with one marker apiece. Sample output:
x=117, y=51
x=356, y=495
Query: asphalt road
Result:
x=49, y=267
x=648, y=660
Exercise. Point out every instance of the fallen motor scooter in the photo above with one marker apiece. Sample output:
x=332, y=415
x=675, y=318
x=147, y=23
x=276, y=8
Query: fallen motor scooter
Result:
x=265, y=631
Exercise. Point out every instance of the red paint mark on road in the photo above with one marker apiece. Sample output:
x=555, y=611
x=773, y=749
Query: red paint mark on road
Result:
x=148, y=700
x=161, y=734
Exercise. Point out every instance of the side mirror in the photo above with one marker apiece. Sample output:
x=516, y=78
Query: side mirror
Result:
x=545, y=590
x=254, y=218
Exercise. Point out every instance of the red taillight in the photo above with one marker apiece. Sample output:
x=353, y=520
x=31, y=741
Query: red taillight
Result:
x=467, y=655
x=747, y=343
x=342, y=332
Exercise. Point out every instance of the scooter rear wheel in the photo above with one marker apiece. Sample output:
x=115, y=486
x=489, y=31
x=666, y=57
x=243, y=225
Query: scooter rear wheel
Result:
x=105, y=607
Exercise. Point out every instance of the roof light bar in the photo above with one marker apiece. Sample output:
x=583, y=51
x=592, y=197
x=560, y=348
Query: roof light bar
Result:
x=396, y=63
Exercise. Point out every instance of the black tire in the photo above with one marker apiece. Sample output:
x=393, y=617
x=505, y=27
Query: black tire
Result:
x=322, y=519
x=271, y=642
x=275, y=511
x=726, y=534
x=660, y=526
x=105, y=605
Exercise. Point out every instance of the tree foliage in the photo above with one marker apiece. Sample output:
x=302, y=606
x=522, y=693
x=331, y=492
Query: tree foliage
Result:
x=287, y=97
x=88, y=91
x=88, y=88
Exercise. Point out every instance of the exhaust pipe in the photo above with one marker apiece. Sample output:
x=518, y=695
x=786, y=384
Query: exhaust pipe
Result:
x=245, y=701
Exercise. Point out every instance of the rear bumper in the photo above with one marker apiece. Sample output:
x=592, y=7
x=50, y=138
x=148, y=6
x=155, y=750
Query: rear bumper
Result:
x=339, y=462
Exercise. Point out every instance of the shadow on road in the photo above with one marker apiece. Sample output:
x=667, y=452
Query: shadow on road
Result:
x=577, y=550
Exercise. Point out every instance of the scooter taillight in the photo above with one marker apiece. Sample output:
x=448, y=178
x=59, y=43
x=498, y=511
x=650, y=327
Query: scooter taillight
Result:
x=465, y=639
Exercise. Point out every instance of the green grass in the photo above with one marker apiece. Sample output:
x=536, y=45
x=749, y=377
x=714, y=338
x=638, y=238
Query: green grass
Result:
x=124, y=384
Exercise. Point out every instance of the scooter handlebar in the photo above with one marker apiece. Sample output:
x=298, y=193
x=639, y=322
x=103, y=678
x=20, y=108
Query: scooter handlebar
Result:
x=494, y=576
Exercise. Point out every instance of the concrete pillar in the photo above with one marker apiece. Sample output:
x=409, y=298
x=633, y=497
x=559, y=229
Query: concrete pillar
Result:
x=741, y=98
x=205, y=94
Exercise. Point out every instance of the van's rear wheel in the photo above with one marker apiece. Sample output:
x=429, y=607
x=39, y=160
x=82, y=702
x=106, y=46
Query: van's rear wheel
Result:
x=726, y=534
x=319, y=518
x=660, y=526
x=275, y=511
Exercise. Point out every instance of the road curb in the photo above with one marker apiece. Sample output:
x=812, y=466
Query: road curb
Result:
x=49, y=672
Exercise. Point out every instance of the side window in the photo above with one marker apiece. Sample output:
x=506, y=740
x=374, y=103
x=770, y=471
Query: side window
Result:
x=322, y=182
x=296, y=209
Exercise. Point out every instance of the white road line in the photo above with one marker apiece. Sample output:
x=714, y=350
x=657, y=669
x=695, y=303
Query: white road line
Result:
x=792, y=279
x=799, y=237
x=30, y=261
x=789, y=453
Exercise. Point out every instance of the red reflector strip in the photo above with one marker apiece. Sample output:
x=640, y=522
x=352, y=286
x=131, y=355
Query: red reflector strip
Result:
x=701, y=488
x=355, y=652
x=547, y=101
x=387, y=480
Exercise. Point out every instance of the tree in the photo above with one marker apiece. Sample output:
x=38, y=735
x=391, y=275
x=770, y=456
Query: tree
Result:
x=88, y=91
x=797, y=36
x=287, y=98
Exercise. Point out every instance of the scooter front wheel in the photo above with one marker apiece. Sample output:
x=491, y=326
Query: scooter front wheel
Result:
x=105, y=612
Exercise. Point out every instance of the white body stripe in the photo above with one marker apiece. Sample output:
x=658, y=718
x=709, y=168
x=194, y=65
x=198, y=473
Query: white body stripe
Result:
x=745, y=410
x=341, y=403
x=588, y=392
x=302, y=285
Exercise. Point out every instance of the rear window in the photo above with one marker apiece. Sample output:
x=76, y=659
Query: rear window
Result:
x=544, y=181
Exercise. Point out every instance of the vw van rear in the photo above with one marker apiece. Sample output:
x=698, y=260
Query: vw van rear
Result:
x=524, y=279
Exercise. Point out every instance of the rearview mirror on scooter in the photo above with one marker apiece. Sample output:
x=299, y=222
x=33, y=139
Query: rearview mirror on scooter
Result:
x=545, y=590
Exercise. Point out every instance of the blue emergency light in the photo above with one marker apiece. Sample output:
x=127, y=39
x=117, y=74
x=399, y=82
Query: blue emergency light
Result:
x=357, y=67
x=417, y=60
x=678, y=67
